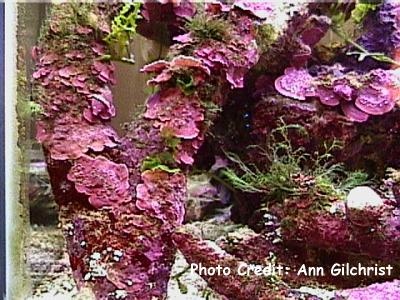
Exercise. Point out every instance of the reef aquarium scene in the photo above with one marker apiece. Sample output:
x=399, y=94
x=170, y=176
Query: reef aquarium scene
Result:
x=220, y=150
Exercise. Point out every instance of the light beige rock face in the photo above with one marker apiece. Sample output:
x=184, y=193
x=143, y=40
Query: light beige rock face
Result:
x=363, y=206
x=362, y=197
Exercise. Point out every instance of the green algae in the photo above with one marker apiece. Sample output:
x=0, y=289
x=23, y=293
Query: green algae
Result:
x=294, y=172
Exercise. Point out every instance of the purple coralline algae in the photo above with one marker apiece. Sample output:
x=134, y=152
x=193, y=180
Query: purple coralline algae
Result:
x=373, y=93
x=105, y=182
x=386, y=290
x=182, y=115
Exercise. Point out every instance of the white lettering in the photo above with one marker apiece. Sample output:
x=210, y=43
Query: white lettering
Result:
x=210, y=271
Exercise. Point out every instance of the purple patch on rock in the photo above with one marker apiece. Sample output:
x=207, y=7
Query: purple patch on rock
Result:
x=382, y=291
x=353, y=113
x=101, y=104
x=375, y=101
x=48, y=59
x=185, y=9
x=166, y=70
x=327, y=96
x=68, y=71
x=343, y=90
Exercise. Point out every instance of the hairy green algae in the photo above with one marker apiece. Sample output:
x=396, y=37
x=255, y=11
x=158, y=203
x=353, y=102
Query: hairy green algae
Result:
x=205, y=27
x=266, y=36
x=280, y=178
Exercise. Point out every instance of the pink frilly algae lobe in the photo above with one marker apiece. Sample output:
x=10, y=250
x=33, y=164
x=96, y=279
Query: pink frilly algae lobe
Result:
x=176, y=112
x=232, y=59
x=177, y=65
x=71, y=138
x=359, y=95
x=295, y=83
x=105, y=182
x=261, y=9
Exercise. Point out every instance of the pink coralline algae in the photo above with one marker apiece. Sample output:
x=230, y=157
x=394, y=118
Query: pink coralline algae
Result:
x=49, y=59
x=380, y=35
x=327, y=96
x=384, y=291
x=102, y=207
x=80, y=100
x=180, y=113
x=261, y=9
x=374, y=93
x=156, y=10
x=41, y=72
x=70, y=138
x=359, y=95
x=187, y=149
x=104, y=71
x=234, y=59
x=184, y=9
x=392, y=225
x=169, y=14
x=175, y=112
x=131, y=210
x=295, y=83
x=216, y=7
x=160, y=195
x=105, y=182
x=389, y=15
x=306, y=32
x=184, y=38
x=178, y=65
x=235, y=285
x=258, y=9
x=295, y=46
x=252, y=250
x=142, y=140
x=380, y=95
x=68, y=71
x=353, y=113
x=101, y=106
